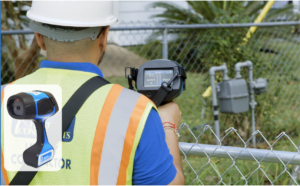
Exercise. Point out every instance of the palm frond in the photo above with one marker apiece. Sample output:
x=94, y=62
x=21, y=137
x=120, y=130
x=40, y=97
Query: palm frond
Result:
x=204, y=8
x=275, y=13
x=219, y=4
x=253, y=7
x=173, y=12
x=212, y=11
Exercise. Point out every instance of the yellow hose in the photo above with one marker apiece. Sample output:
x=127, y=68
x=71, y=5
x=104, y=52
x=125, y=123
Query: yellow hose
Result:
x=207, y=92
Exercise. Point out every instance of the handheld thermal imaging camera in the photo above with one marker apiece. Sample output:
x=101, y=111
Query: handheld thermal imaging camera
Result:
x=36, y=106
x=160, y=80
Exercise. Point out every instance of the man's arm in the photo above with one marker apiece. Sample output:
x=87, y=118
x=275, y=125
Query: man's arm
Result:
x=172, y=143
x=157, y=159
x=170, y=113
x=153, y=162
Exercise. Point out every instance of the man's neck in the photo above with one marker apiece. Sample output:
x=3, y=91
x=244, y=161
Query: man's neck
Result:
x=71, y=59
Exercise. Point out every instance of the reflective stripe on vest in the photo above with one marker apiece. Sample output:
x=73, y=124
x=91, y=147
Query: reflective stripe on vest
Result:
x=114, y=136
x=4, y=177
x=113, y=165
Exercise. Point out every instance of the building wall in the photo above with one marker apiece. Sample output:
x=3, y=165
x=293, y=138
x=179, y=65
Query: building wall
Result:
x=140, y=10
x=135, y=13
x=296, y=4
x=279, y=4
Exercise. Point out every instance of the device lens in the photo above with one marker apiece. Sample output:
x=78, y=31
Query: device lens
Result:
x=18, y=107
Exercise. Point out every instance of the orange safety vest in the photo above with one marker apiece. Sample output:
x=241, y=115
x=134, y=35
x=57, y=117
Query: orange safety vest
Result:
x=104, y=152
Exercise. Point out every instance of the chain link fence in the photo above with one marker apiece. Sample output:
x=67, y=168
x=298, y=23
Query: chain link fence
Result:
x=219, y=164
x=274, y=50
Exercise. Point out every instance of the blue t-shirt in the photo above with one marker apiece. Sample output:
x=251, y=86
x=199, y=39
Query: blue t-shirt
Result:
x=153, y=163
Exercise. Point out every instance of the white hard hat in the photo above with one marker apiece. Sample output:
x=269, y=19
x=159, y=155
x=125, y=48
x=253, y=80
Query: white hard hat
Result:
x=73, y=13
x=91, y=14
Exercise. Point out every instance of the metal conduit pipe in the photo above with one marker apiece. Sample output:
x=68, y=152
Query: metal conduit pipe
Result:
x=212, y=72
x=252, y=103
x=241, y=153
x=238, y=67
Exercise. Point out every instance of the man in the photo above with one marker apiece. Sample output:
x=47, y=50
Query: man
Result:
x=119, y=138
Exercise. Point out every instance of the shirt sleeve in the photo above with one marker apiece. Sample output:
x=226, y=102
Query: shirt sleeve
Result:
x=153, y=163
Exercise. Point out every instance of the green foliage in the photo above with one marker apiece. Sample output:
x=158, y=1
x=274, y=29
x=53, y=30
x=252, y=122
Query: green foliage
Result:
x=201, y=50
x=209, y=11
x=198, y=50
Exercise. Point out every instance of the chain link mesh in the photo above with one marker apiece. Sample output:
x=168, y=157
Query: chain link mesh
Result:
x=274, y=52
x=209, y=168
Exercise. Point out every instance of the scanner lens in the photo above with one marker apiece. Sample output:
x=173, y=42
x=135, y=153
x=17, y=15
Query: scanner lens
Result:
x=18, y=107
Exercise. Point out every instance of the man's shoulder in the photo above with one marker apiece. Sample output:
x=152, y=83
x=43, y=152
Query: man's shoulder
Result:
x=32, y=77
x=132, y=92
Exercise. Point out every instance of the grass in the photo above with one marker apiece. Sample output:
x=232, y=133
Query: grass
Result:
x=230, y=173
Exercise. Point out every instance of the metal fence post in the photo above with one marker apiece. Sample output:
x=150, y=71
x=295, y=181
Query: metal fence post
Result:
x=165, y=44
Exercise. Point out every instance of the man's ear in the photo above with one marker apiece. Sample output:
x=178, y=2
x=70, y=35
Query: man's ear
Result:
x=40, y=40
x=103, y=38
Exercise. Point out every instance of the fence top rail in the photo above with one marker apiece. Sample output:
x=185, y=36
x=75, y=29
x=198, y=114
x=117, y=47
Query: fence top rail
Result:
x=239, y=153
x=186, y=26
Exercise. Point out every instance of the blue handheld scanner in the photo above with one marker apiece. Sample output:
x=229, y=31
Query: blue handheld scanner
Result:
x=36, y=106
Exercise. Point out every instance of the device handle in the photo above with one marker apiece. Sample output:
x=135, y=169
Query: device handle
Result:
x=40, y=133
x=31, y=154
x=163, y=91
x=161, y=94
x=131, y=76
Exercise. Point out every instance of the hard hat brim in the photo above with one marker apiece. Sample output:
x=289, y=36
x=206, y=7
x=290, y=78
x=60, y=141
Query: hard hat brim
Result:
x=101, y=22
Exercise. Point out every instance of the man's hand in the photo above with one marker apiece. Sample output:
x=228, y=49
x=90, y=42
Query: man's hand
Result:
x=170, y=112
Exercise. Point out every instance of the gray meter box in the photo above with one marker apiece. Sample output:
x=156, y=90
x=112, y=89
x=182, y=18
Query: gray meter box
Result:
x=233, y=96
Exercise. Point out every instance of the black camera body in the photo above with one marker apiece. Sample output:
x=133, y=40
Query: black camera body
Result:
x=160, y=80
x=36, y=106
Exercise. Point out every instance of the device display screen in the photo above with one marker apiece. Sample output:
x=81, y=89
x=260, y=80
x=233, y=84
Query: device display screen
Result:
x=154, y=78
